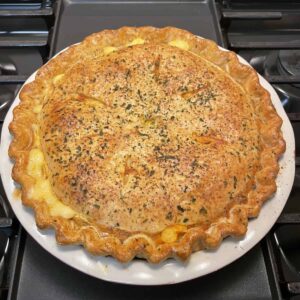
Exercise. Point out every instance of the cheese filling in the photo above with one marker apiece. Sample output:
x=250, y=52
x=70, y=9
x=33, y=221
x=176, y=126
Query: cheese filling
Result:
x=180, y=44
x=107, y=50
x=41, y=191
x=137, y=41
x=170, y=234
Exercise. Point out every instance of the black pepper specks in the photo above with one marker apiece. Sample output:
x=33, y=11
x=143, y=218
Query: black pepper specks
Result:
x=180, y=208
x=202, y=211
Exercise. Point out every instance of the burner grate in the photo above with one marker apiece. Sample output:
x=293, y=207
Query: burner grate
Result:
x=13, y=78
x=283, y=78
x=261, y=34
x=24, y=33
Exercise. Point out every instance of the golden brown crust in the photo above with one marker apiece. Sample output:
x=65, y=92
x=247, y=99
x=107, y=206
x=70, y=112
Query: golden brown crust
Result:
x=113, y=242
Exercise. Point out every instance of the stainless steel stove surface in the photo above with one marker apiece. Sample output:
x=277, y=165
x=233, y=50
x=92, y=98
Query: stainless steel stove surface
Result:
x=265, y=33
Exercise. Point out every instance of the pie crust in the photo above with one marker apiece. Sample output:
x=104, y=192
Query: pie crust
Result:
x=145, y=142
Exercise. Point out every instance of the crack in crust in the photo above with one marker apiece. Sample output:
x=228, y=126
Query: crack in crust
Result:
x=76, y=230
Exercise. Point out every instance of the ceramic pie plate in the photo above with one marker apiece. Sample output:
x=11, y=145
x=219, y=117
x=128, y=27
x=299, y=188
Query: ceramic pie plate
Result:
x=140, y=272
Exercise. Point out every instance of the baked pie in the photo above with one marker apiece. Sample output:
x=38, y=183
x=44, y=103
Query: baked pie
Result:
x=145, y=142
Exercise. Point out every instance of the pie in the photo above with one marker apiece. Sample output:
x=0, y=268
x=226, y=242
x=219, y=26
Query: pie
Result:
x=145, y=142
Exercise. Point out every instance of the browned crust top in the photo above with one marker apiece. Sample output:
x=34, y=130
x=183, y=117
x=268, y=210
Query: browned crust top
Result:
x=207, y=229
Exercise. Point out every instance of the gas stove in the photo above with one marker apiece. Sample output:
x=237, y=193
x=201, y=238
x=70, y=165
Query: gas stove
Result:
x=266, y=33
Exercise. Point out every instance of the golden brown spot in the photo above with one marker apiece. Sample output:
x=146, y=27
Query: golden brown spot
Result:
x=17, y=193
x=206, y=140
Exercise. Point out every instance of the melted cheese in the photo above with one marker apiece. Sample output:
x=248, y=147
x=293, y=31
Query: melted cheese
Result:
x=137, y=41
x=35, y=163
x=37, y=109
x=109, y=49
x=37, y=140
x=57, y=78
x=180, y=44
x=170, y=234
x=42, y=188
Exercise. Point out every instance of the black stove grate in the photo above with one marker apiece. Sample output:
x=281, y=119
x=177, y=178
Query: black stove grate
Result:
x=241, y=32
x=24, y=35
x=283, y=242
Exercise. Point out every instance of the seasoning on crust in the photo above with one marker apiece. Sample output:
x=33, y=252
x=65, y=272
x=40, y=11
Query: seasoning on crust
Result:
x=145, y=142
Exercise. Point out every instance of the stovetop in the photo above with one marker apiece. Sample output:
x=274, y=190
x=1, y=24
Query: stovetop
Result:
x=266, y=35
